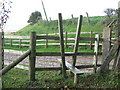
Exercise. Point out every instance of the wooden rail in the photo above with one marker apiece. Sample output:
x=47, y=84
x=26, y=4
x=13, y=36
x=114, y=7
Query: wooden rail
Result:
x=10, y=66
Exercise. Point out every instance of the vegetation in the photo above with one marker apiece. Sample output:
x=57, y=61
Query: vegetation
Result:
x=52, y=26
x=110, y=12
x=17, y=78
x=35, y=17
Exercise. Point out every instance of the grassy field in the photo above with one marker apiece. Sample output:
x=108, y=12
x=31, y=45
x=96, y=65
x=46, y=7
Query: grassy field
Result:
x=17, y=78
x=52, y=27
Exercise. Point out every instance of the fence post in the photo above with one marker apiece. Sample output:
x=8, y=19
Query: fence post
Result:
x=91, y=40
x=32, y=57
x=72, y=19
x=106, y=43
x=20, y=43
x=66, y=39
x=96, y=48
x=46, y=44
x=62, y=44
x=11, y=42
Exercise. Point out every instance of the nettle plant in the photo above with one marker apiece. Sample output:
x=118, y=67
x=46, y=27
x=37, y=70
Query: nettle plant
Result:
x=5, y=7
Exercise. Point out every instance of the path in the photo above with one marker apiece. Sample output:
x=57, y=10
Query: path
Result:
x=44, y=61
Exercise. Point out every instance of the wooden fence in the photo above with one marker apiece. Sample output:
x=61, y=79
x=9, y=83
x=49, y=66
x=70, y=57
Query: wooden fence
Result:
x=24, y=40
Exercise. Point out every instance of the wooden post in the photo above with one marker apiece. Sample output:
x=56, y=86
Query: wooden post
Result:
x=46, y=45
x=66, y=39
x=106, y=42
x=91, y=40
x=1, y=50
x=96, y=48
x=1, y=59
x=62, y=44
x=72, y=19
x=44, y=10
x=11, y=42
x=20, y=40
x=77, y=39
x=32, y=57
x=88, y=19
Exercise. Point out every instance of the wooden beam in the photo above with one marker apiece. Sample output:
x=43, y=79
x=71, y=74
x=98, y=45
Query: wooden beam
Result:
x=32, y=58
x=87, y=39
x=48, y=37
x=66, y=54
x=77, y=39
x=73, y=69
x=59, y=68
x=48, y=69
x=12, y=65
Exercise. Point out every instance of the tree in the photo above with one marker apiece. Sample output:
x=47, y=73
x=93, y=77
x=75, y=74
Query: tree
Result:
x=35, y=17
x=110, y=12
x=4, y=15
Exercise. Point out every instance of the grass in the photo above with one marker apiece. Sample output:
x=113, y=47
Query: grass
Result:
x=17, y=78
x=52, y=27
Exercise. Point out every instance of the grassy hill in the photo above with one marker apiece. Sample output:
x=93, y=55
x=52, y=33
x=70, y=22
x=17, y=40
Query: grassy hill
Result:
x=52, y=26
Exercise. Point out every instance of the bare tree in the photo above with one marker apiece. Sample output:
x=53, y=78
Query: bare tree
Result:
x=4, y=12
x=110, y=12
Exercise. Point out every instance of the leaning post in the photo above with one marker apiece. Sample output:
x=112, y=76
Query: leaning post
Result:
x=77, y=39
x=32, y=57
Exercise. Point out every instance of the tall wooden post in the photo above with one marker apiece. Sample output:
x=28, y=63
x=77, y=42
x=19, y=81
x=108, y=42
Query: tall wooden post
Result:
x=106, y=42
x=1, y=56
x=62, y=44
x=1, y=50
x=32, y=57
x=72, y=19
x=77, y=39
x=44, y=10
x=118, y=39
x=88, y=19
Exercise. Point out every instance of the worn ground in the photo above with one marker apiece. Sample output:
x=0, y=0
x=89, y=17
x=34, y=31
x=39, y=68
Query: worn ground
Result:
x=46, y=61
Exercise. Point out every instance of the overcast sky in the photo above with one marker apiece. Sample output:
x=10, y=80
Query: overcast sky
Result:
x=21, y=9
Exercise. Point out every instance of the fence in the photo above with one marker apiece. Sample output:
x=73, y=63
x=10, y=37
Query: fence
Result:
x=24, y=40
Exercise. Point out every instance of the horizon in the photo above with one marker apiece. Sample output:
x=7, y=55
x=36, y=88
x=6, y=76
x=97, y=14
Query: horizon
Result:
x=19, y=15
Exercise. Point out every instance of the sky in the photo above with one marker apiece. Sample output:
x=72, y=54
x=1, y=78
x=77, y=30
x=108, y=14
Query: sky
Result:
x=22, y=9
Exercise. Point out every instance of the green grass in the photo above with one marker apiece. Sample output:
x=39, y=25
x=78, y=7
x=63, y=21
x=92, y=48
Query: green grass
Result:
x=17, y=78
x=52, y=27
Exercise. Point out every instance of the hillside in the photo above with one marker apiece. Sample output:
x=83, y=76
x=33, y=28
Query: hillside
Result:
x=52, y=26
